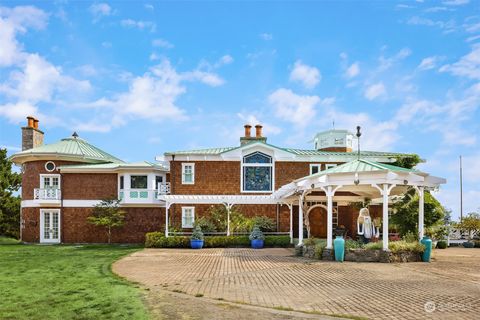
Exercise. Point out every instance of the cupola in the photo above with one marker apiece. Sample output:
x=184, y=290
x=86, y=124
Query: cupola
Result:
x=334, y=140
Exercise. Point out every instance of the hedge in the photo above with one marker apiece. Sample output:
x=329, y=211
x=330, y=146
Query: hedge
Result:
x=158, y=240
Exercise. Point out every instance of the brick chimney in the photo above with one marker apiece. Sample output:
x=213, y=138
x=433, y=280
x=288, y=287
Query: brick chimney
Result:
x=32, y=137
x=248, y=138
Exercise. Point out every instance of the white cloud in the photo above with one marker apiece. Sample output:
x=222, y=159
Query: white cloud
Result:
x=468, y=66
x=151, y=96
x=353, y=70
x=297, y=109
x=305, y=74
x=268, y=128
x=12, y=22
x=375, y=91
x=428, y=63
x=106, y=44
x=447, y=26
x=386, y=63
x=226, y=59
x=16, y=112
x=161, y=43
x=266, y=36
x=455, y=2
x=99, y=10
x=149, y=7
x=139, y=24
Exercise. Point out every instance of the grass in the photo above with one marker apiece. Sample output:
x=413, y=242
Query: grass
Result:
x=5, y=240
x=66, y=282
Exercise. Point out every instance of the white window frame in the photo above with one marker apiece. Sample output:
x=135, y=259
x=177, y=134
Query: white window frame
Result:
x=312, y=165
x=42, y=180
x=184, y=209
x=330, y=166
x=243, y=165
x=42, y=222
x=185, y=164
x=54, y=166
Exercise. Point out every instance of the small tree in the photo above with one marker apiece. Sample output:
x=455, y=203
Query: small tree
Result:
x=470, y=224
x=10, y=182
x=109, y=215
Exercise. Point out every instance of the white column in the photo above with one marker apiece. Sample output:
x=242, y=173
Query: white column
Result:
x=228, y=207
x=385, y=193
x=329, y=195
x=290, y=206
x=421, y=207
x=300, y=220
x=167, y=206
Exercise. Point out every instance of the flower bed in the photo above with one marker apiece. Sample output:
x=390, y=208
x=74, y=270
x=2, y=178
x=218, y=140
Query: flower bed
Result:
x=400, y=251
x=158, y=240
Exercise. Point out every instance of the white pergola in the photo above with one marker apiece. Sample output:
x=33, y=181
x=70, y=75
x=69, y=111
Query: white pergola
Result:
x=227, y=200
x=360, y=179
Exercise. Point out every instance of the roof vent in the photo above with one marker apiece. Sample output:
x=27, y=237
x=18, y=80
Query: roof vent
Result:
x=75, y=135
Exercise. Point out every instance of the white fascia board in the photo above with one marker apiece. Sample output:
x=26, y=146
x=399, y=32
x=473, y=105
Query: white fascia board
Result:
x=138, y=170
x=84, y=204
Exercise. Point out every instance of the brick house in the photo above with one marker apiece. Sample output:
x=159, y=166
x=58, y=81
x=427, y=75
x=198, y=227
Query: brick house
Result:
x=62, y=181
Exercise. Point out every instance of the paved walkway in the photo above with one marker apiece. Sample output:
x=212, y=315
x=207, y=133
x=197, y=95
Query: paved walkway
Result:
x=449, y=287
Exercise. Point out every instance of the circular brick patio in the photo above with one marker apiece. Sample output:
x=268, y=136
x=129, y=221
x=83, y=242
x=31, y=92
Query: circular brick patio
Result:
x=274, y=278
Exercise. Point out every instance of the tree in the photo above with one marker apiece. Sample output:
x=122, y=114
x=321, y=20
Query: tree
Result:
x=470, y=224
x=10, y=182
x=405, y=216
x=408, y=162
x=109, y=215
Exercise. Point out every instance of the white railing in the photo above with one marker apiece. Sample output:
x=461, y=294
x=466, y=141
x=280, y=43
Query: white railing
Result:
x=143, y=195
x=46, y=194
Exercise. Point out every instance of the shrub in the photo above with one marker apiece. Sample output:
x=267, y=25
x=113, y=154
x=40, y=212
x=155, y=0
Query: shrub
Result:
x=197, y=233
x=158, y=240
x=442, y=244
x=398, y=246
x=319, y=247
x=410, y=237
x=277, y=241
x=310, y=242
x=265, y=224
x=468, y=244
x=352, y=244
x=373, y=246
x=206, y=224
x=477, y=243
x=257, y=234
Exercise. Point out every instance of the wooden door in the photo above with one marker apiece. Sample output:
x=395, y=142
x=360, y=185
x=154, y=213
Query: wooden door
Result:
x=318, y=222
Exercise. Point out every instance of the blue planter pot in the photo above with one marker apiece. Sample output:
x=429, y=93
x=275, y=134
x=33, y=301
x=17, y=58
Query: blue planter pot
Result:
x=257, y=244
x=427, y=242
x=339, y=248
x=196, y=244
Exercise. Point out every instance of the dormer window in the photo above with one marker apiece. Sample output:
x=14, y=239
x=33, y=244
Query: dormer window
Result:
x=257, y=173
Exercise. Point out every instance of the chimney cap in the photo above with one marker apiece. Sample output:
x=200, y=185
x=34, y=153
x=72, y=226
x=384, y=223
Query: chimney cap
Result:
x=258, y=126
x=31, y=117
x=247, y=126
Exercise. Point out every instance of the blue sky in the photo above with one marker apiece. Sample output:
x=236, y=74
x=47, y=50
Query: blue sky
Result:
x=141, y=78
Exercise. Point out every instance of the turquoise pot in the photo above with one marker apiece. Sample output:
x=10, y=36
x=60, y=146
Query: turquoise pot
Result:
x=339, y=248
x=427, y=242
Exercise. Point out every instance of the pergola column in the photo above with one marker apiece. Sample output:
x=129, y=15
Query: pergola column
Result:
x=421, y=208
x=385, y=192
x=167, y=206
x=290, y=206
x=300, y=218
x=228, y=206
x=330, y=192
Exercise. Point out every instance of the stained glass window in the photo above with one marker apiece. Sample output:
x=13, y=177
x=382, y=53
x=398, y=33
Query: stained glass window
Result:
x=257, y=172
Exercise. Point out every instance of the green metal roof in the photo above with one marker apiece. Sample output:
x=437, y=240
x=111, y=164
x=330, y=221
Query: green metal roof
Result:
x=300, y=152
x=112, y=166
x=361, y=165
x=71, y=147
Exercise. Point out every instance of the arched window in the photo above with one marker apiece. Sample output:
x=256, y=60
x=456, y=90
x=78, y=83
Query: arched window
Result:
x=257, y=173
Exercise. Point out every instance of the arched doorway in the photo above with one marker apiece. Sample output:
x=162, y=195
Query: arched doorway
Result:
x=318, y=221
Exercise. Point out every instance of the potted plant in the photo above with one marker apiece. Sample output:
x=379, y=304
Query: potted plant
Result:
x=256, y=238
x=196, y=241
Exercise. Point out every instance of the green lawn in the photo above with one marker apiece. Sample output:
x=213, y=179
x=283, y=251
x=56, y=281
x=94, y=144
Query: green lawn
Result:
x=65, y=282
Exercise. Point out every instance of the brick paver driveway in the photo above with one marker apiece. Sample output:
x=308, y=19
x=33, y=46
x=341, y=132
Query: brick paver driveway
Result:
x=449, y=286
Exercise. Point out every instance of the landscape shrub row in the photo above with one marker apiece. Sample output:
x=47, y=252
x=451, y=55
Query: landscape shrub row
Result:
x=158, y=240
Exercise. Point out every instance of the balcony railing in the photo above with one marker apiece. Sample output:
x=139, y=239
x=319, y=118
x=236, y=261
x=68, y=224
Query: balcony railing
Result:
x=47, y=194
x=143, y=195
